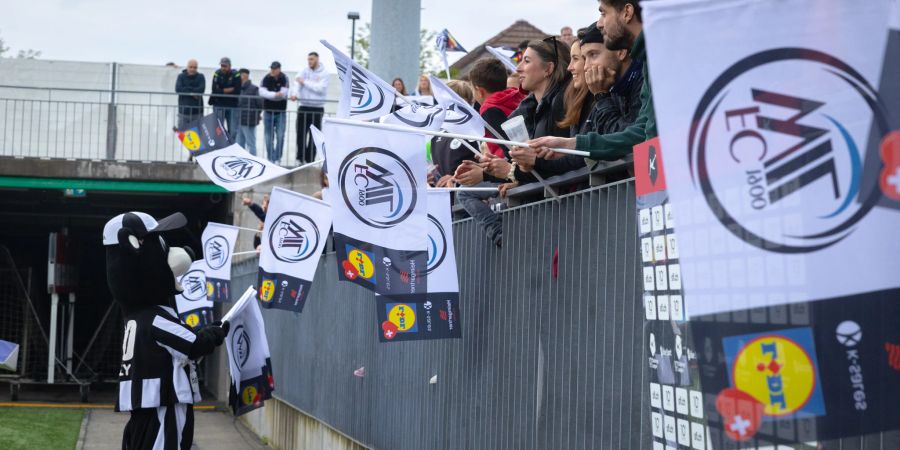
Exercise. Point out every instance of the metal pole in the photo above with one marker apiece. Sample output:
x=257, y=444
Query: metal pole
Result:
x=51, y=354
x=353, y=40
x=70, y=338
x=111, y=128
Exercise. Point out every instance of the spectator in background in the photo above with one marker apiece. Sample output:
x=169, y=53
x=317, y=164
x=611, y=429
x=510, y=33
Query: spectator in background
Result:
x=578, y=99
x=447, y=154
x=274, y=91
x=190, y=86
x=424, y=87
x=309, y=89
x=250, y=109
x=226, y=87
x=399, y=86
x=565, y=35
x=620, y=22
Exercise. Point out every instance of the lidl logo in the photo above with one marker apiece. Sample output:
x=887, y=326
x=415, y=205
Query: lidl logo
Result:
x=210, y=289
x=360, y=262
x=778, y=369
x=249, y=395
x=192, y=320
x=191, y=140
x=267, y=290
x=401, y=318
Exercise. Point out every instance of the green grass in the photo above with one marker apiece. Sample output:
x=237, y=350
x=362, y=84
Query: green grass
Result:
x=39, y=428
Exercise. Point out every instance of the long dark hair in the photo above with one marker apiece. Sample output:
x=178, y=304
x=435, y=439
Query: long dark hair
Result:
x=550, y=50
x=403, y=90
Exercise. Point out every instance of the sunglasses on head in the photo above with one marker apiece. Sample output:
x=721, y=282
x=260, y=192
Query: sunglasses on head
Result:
x=555, y=47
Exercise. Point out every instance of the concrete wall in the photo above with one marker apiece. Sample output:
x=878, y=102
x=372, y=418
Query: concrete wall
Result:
x=394, y=46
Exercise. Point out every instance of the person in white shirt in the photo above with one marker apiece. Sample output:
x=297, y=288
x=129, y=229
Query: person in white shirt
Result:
x=309, y=89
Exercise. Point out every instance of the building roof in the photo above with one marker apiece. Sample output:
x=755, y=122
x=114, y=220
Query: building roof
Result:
x=512, y=36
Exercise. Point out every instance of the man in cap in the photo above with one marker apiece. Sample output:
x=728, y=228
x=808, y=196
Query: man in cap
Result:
x=226, y=87
x=274, y=90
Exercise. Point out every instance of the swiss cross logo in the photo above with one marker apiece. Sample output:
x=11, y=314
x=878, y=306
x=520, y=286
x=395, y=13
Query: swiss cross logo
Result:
x=890, y=175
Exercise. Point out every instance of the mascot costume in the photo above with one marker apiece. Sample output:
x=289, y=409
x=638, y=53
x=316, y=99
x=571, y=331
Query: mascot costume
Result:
x=157, y=379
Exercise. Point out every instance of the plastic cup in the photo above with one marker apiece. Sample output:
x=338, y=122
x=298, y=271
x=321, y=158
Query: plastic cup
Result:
x=515, y=129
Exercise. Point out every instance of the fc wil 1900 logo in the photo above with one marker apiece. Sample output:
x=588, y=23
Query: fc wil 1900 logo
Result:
x=240, y=345
x=378, y=187
x=216, y=251
x=437, y=244
x=194, y=284
x=293, y=237
x=783, y=134
x=233, y=169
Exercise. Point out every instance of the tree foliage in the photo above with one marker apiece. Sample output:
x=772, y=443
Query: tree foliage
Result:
x=428, y=56
x=22, y=54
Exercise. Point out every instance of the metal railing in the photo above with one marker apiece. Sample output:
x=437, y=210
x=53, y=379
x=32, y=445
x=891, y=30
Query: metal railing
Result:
x=110, y=125
x=545, y=361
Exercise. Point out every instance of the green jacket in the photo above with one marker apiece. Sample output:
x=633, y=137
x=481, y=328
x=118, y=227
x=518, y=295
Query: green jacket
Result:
x=614, y=146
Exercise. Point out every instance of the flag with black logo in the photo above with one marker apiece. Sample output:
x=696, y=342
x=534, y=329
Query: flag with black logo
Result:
x=204, y=135
x=505, y=55
x=293, y=238
x=461, y=117
x=436, y=314
x=218, y=246
x=416, y=116
x=234, y=169
x=364, y=96
x=248, y=356
x=377, y=179
x=193, y=304
x=785, y=148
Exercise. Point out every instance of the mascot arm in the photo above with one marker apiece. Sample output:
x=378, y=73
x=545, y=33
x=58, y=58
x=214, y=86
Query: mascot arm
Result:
x=175, y=337
x=208, y=338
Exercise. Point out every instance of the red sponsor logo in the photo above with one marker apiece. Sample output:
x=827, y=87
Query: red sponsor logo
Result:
x=443, y=314
x=388, y=329
x=893, y=355
x=889, y=181
x=741, y=413
x=404, y=277
x=350, y=271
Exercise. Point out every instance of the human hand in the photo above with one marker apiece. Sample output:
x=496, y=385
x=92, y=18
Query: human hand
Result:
x=469, y=174
x=246, y=201
x=505, y=187
x=445, y=181
x=497, y=167
x=293, y=98
x=599, y=79
x=544, y=144
x=523, y=156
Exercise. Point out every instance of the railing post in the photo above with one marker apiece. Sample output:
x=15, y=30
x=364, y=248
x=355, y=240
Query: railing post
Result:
x=112, y=130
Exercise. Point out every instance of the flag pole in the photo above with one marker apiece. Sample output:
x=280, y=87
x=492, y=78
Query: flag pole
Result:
x=386, y=126
x=533, y=172
x=309, y=164
x=465, y=189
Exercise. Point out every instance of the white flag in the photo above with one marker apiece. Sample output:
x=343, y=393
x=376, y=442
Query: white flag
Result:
x=461, y=117
x=505, y=56
x=378, y=183
x=234, y=169
x=218, y=246
x=364, y=96
x=248, y=355
x=293, y=238
x=425, y=117
x=194, y=306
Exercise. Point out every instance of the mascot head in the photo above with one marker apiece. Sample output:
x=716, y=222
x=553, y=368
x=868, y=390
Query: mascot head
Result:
x=141, y=269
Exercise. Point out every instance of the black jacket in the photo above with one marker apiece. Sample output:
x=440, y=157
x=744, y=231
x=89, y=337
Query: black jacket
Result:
x=250, y=104
x=273, y=84
x=446, y=157
x=543, y=120
x=221, y=81
x=616, y=110
x=194, y=85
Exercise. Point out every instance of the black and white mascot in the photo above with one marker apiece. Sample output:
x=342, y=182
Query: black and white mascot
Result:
x=157, y=380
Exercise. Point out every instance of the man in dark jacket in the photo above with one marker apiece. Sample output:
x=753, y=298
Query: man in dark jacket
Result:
x=190, y=86
x=226, y=87
x=615, y=80
x=274, y=91
x=250, y=109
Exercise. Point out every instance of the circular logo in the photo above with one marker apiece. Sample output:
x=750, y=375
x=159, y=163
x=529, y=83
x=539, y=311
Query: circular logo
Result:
x=378, y=187
x=777, y=372
x=194, y=284
x=191, y=140
x=848, y=333
x=365, y=100
x=192, y=320
x=779, y=158
x=249, y=394
x=266, y=290
x=402, y=316
x=232, y=169
x=216, y=251
x=437, y=244
x=362, y=263
x=210, y=289
x=240, y=345
x=293, y=237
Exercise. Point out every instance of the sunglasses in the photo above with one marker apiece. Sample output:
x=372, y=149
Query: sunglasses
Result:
x=555, y=47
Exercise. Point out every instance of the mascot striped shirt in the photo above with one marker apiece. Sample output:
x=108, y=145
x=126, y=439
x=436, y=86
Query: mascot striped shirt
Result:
x=156, y=370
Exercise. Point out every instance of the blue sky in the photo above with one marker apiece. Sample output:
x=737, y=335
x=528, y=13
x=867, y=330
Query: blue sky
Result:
x=251, y=33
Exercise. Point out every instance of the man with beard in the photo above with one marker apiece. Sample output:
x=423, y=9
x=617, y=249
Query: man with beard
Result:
x=620, y=22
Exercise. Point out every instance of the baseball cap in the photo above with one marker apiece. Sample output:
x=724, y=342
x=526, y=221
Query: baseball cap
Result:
x=225, y=60
x=275, y=65
x=592, y=35
x=244, y=70
x=141, y=224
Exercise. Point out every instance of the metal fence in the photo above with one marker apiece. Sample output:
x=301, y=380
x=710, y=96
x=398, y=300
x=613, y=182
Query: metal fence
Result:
x=550, y=357
x=108, y=125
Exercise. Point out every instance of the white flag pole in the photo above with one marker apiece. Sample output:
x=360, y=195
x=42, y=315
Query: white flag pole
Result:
x=309, y=164
x=465, y=189
x=253, y=252
x=385, y=126
x=446, y=65
x=246, y=229
x=533, y=172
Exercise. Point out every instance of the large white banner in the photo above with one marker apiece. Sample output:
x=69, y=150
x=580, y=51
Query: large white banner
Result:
x=377, y=180
x=193, y=303
x=234, y=169
x=248, y=355
x=293, y=239
x=765, y=140
x=415, y=116
x=461, y=117
x=218, y=247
